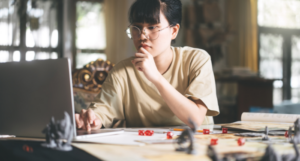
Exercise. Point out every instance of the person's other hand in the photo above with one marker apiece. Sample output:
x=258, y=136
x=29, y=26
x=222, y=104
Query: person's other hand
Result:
x=144, y=62
x=87, y=120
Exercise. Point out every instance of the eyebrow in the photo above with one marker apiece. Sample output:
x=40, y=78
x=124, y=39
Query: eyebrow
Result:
x=141, y=23
x=147, y=24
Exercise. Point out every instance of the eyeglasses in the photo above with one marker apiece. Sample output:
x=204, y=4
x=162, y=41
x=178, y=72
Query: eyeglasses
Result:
x=151, y=33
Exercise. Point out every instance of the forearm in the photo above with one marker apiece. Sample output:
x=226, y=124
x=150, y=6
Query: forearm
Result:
x=181, y=106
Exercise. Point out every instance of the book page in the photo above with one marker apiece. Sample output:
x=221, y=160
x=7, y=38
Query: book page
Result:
x=269, y=117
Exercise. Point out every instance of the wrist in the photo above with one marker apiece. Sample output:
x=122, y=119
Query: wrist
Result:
x=159, y=81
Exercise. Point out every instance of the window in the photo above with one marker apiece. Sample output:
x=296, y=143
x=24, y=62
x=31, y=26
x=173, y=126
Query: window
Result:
x=90, y=32
x=295, y=75
x=279, y=46
x=30, y=29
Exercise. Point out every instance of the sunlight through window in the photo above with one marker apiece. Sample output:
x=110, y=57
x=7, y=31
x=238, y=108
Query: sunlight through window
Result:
x=54, y=38
x=30, y=55
x=279, y=13
x=16, y=56
x=4, y=56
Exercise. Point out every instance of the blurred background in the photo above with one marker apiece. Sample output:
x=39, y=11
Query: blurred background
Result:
x=254, y=44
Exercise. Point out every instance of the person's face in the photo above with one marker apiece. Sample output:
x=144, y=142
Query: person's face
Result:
x=160, y=44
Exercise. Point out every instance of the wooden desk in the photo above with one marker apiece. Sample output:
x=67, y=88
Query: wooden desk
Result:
x=227, y=144
x=154, y=152
x=162, y=152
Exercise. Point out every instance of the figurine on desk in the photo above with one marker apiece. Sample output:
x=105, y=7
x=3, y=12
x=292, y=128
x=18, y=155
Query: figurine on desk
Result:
x=59, y=134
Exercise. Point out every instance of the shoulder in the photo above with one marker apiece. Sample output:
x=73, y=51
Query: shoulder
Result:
x=120, y=70
x=192, y=56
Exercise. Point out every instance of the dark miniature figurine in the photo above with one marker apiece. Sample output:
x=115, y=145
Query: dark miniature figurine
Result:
x=266, y=137
x=291, y=157
x=290, y=134
x=211, y=153
x=59, y=134
x=49, y=132
x=270, y=155
x=296, y=138
x=187, y=136
x=297, y=156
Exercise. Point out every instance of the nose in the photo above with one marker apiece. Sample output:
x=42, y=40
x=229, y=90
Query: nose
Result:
x=143, y=35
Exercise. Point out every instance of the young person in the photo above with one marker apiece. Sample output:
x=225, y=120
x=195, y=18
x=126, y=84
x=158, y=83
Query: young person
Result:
x=161, y=85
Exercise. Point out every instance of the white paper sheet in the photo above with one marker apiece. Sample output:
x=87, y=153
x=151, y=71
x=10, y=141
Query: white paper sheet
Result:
x=126, y=138
x=131, y=137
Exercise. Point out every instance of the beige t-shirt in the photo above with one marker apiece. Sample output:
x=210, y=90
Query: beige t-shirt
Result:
x=128, y=94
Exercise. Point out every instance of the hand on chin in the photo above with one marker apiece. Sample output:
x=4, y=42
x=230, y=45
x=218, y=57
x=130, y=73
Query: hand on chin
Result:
x=144, y=62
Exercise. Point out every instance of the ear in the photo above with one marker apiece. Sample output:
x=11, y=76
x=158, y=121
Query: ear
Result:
x=175, y=30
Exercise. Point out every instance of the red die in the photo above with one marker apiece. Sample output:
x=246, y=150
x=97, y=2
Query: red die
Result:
x=149, y=132
x=169, y=135
x=224, y=130
x=152, y=132
x=241, y=141
x=206, y=131
x=286, y=134
x=141, y=132
x=213, y=141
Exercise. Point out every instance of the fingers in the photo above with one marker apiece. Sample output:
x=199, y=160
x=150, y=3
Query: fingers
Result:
x=87, y=125
x=143, y=50
x=136, y=60
x=79, y=122
x=96, y=124
x=140, y=55
x=140, y=58
x=87, y=120
x=83, y=118
x=138, y=63
x=90, y=116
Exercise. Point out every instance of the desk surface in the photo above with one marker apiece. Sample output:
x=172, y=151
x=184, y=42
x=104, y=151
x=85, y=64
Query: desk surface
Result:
x=227, y=144
x=160, y=152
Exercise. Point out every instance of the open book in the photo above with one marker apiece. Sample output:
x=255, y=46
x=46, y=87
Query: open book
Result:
x=258, y=121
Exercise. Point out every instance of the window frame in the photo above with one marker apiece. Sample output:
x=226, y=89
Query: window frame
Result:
x=22, y=45
x=75, y=49
x=286, y=57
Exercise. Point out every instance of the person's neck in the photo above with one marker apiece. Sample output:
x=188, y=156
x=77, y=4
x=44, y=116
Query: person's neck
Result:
x=163, y=61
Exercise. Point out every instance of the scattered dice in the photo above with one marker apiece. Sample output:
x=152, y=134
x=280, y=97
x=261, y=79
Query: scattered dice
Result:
x=149, y=132
x=146, y=133
x=169, y=135
x=224, y=130
x=213, y=141
x=241, y=141
x=286, y=134
x=141, y=132
x=205, y=131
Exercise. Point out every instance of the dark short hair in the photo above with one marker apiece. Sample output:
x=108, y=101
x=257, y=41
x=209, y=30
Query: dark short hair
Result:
x=149, y=10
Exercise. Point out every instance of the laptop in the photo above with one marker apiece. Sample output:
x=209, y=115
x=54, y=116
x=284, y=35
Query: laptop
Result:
x=32, y=92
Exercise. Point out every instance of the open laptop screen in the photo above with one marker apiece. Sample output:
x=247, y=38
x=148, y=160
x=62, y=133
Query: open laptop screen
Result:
x=31, y=93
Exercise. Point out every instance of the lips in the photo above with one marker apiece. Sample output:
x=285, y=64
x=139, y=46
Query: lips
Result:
x=144, y=46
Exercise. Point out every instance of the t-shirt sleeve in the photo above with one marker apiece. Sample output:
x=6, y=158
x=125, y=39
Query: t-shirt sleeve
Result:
x=202, y=83
x=108, y=104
